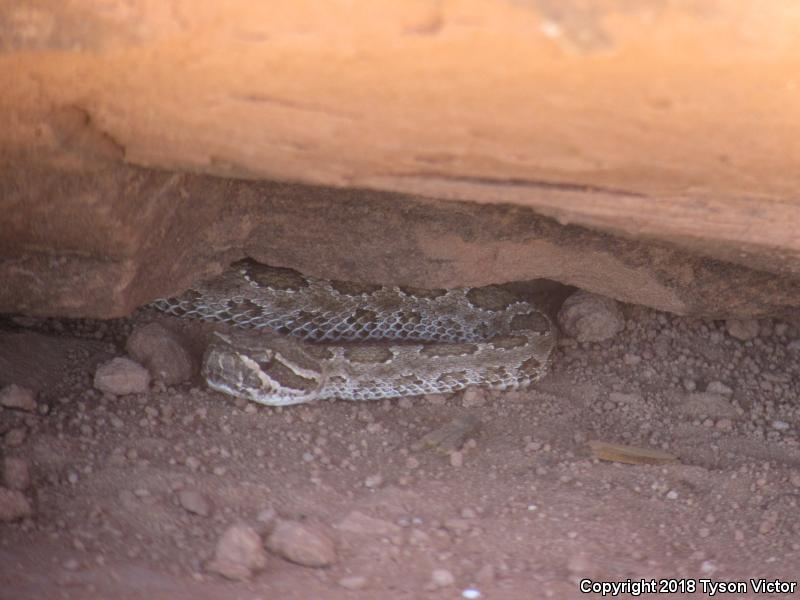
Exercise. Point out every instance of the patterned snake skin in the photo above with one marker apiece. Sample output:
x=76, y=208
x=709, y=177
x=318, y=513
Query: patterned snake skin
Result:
x=299, y=339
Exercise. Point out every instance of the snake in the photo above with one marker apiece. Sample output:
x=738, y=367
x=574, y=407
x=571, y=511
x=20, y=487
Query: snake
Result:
x=294, y=338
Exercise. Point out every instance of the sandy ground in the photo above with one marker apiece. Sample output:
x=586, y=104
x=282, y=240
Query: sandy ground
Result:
x=129, y=494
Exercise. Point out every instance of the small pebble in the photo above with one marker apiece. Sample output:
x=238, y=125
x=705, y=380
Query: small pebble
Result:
x=239, y=553
x=194, y=502
x=590, y=317
x=717, y=387
x=373, y=481
x=742, y=329
x=302, y=544
x=473, y=396
x=71, y=564
x=122, y=376
x=442, y=578
x=192, y=462
x=631, y=359
x=162, y=352
x=354, y=582
x=358, y=522
x=13, y=505
x=16, y=397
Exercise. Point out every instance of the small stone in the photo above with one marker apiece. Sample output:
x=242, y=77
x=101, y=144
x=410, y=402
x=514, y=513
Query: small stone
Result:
x=742, y=329
x=717, y=387
x=590, y=317
x=71, y=564
x=373, y=481
x=473, y=396
x=122, y=376
x=162, y=352
x=13, y=505
x=780, y=425
x=631, y=359
x=267, y=515
x=358, y=522
x=239, y=553
x=450, y=436
x=194, y=502
x=20, y=398
x=442, y=578
x=302, y=544
x=707, y=567
x=16, y=474
x=14, y=437
x=456, y=459
x=354, y=582
x=192, y=462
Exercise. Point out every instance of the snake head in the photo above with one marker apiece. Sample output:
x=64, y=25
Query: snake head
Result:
x=241, y=364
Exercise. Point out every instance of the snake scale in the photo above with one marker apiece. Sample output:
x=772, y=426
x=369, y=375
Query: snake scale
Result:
x=298, y=339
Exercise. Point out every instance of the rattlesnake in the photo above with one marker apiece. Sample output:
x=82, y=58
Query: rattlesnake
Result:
x=300, y=338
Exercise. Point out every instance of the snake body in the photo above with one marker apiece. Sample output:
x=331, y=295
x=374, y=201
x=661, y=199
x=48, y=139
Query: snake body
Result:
x=299, y=339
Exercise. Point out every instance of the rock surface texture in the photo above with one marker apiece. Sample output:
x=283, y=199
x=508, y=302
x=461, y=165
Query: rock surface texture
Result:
x=649, y=152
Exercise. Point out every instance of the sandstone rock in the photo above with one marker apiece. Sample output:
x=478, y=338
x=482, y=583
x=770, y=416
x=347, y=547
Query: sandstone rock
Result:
x=14, y=396
x=300, y=543
x=239, y=553
x=679, y=215
x=509, y=245
x=13, y=505
x=121, y=376
x=162, y=352
x=590, y=318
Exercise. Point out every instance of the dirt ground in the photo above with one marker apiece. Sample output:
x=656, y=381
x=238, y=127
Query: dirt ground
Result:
x=130, y=494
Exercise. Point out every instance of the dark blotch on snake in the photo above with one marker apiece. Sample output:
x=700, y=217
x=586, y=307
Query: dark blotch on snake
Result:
x=443, y=349
x=368, y=354
x=276, y=278
x=490, y=297
x=352, y=288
